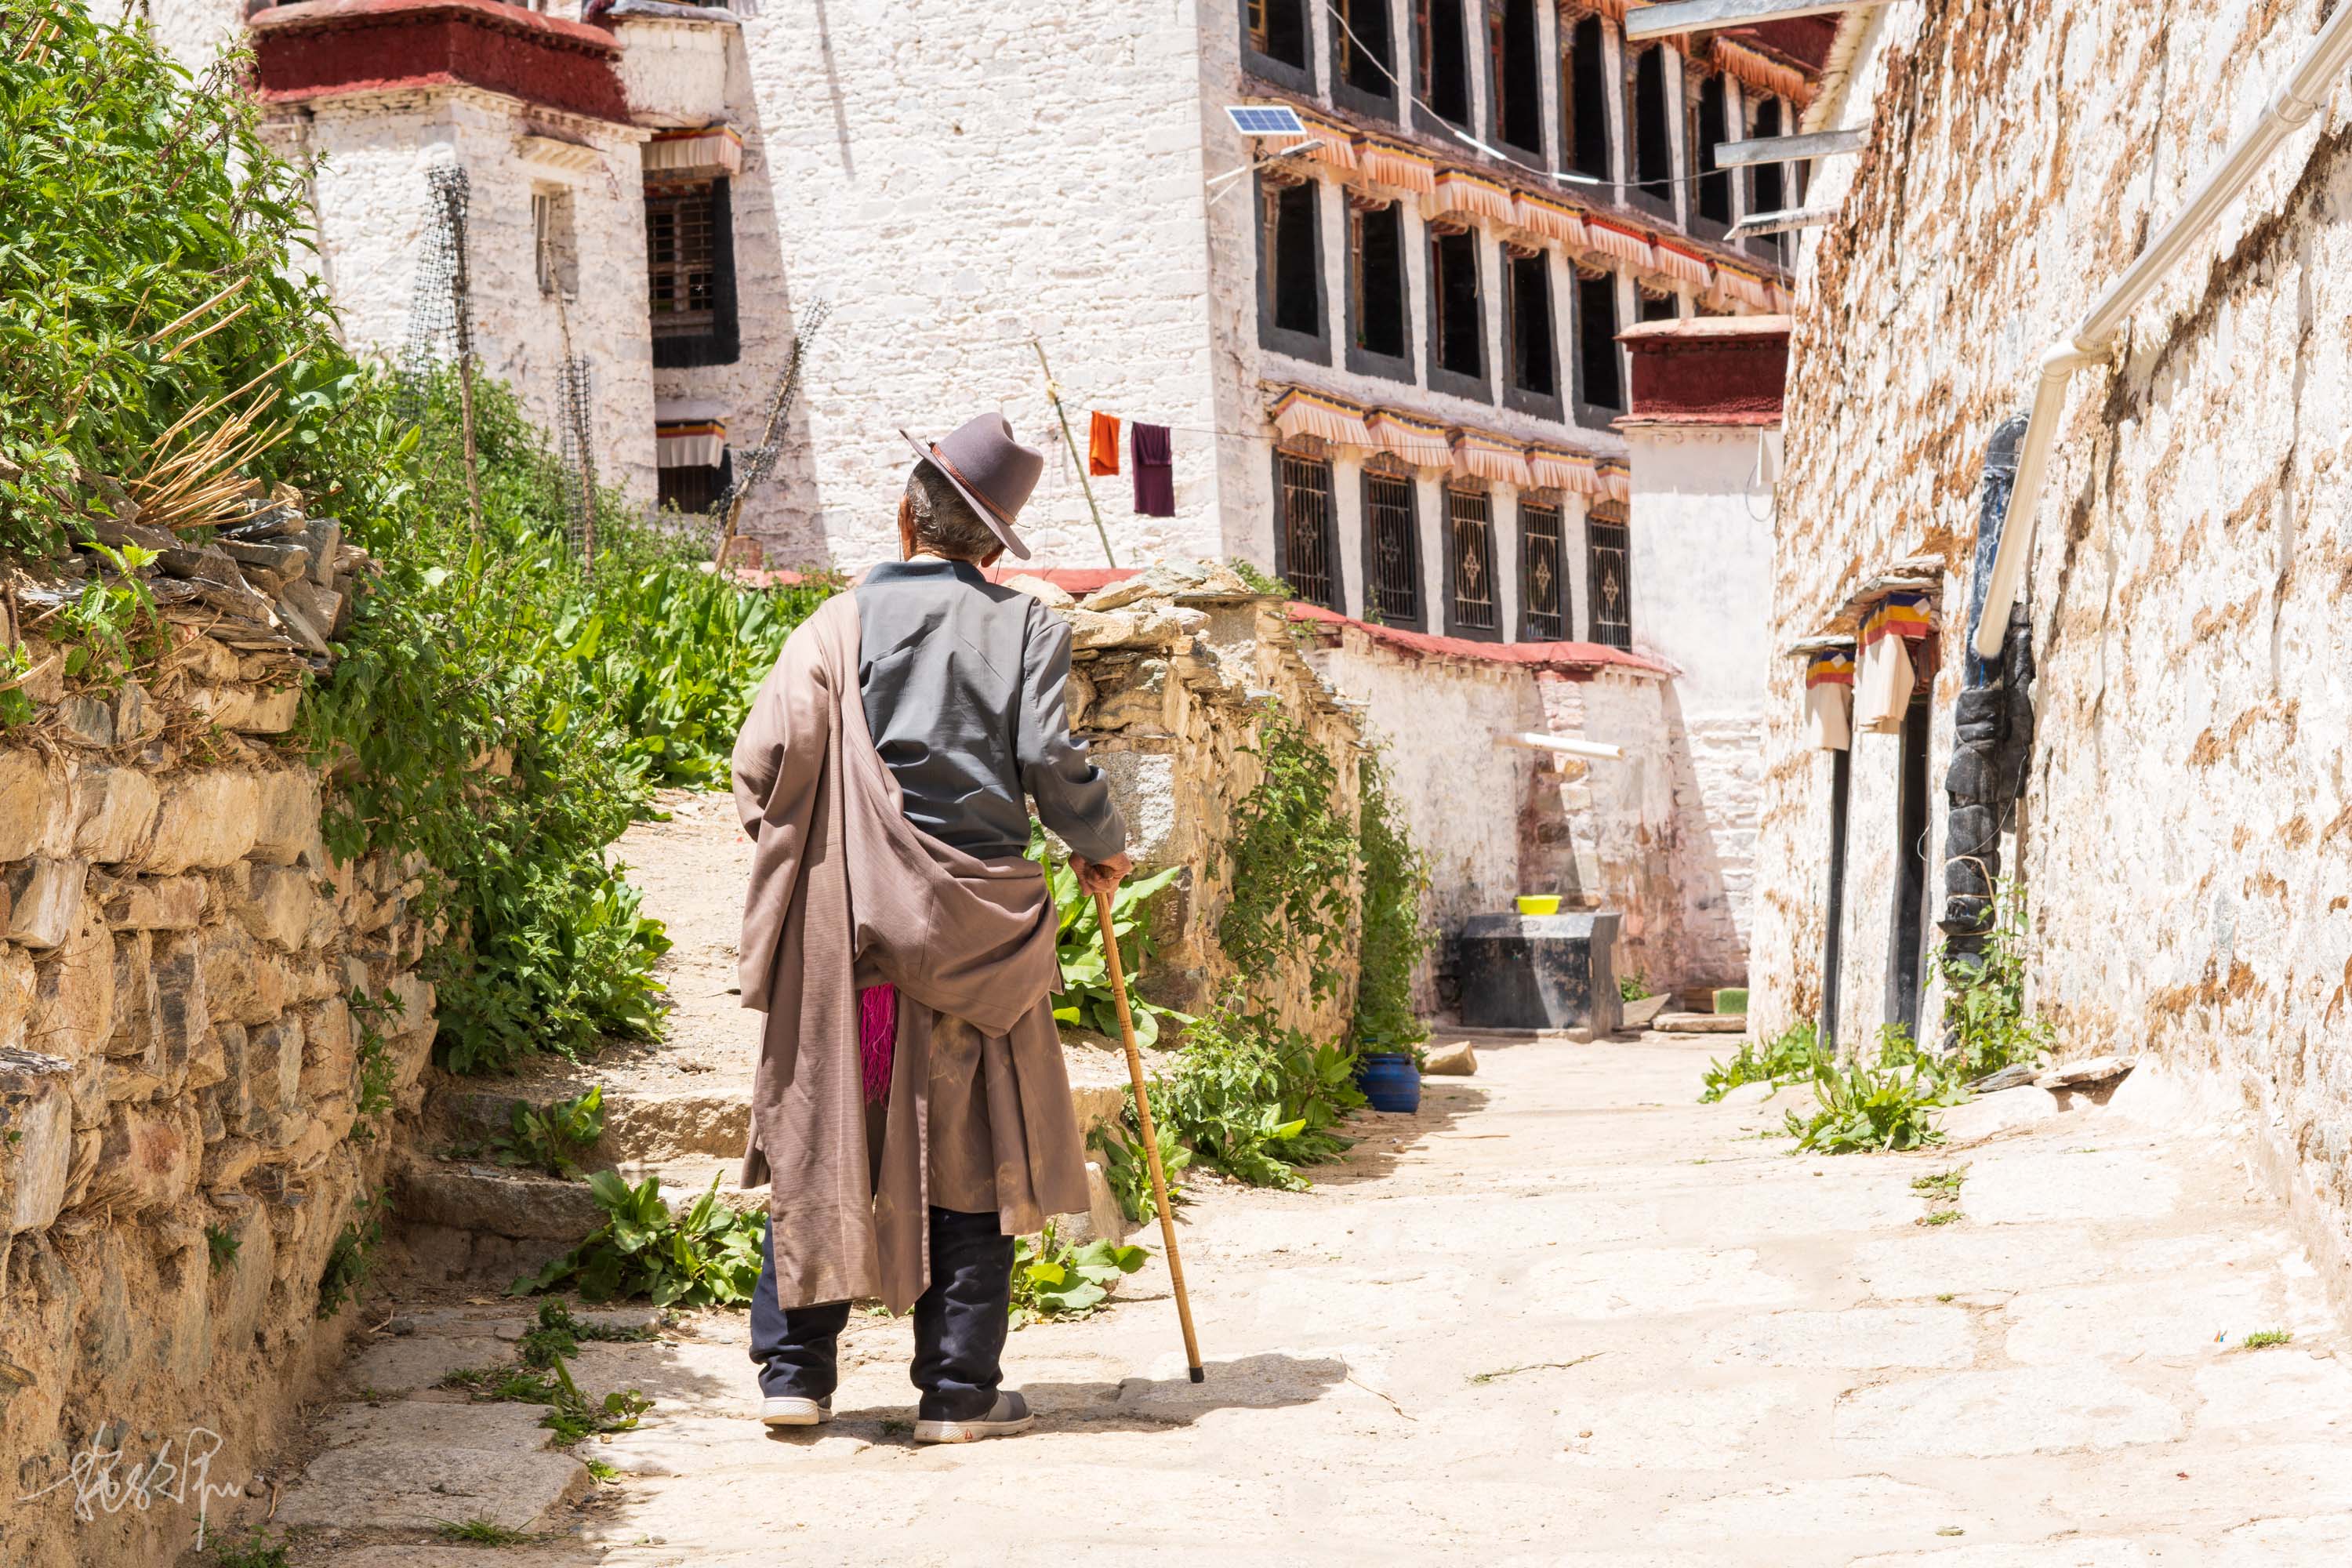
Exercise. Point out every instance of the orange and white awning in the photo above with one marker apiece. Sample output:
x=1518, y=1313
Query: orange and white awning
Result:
x=709, y=153
x=1682, y=266
x=1462, y=192
x=1762, y=72
x=1554, y=469
x=1299, y=412
x=1395, y=164
x=1420, y=442
x=1614, y=239
x=1739, y=284
x=1487, y=457
x=688, y=432
x=1329, y=143
x=1551, y=217
x=1616, y=481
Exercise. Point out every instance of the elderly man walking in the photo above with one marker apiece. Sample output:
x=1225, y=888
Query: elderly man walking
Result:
x=910, y=1111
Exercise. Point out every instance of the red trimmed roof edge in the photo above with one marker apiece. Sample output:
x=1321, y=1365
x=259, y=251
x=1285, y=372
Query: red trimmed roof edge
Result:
x=322, y=16
x=1576, y=656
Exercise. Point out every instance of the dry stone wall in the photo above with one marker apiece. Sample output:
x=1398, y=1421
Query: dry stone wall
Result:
x=1173, y=673
x=182, y=1137
x=2184, y=849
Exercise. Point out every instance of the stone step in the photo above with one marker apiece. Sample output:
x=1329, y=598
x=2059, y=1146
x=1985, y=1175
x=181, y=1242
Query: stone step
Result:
x=415, y=1464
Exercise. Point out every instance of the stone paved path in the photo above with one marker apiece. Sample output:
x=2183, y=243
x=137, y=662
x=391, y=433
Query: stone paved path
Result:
x=1566, y=1316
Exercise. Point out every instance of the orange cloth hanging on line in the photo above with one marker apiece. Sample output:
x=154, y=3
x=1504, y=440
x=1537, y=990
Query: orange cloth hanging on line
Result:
x=1102, y=446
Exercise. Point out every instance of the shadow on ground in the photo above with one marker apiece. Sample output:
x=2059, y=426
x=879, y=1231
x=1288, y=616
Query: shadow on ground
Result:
x=1268, y=1382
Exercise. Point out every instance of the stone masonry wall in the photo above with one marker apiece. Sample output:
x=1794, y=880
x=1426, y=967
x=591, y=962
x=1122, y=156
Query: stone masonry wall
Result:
x=2184, y=853
x=1171, y=674
x=181, y=1072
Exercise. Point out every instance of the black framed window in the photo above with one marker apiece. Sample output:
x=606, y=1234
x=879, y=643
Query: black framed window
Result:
x=1457, y=320
x=1290, y=270
x=1598, y=365
x=1767, y=189
x=1608, y=574
x=1651, y=119
x=1442, y=57
x=1364, y=56
x=1275, y=32
x=1514, y=68
x=1710, y=125
x=1534, y=384
x=690, y=273
x=1392, y=550
x=1470, y=607
x=1584, y=99
x=1376, y=292
x=1305, y=557
x=1657, y=305
x=1542, y=588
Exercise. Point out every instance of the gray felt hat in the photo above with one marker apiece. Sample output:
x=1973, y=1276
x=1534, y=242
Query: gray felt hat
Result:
x=989, y=468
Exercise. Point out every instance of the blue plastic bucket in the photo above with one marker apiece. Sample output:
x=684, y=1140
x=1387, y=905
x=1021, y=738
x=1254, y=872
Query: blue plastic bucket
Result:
x=1390, y=1081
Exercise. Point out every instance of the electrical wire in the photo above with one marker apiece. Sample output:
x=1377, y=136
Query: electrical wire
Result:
x=1557, y=177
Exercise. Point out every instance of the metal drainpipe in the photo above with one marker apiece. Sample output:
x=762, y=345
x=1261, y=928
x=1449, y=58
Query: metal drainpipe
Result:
x=2299, y=98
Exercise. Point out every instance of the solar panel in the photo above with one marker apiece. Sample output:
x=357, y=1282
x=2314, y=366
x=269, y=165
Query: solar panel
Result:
x=1265, y=120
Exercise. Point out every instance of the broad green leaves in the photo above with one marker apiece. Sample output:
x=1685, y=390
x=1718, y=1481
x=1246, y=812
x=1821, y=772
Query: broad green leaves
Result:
x=708, y=1257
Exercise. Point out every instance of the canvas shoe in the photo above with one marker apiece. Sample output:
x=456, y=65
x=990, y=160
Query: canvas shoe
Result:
x=1008, y=1417
x=790, y=1410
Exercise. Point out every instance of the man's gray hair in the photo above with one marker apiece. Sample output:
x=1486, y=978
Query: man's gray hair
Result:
x=944, y=519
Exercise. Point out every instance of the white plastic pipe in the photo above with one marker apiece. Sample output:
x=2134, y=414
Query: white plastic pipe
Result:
x=1598, y=751
x=2299, y=98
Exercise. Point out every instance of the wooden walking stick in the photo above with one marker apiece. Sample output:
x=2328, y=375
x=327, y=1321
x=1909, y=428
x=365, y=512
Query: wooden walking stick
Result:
x=1151, y=1137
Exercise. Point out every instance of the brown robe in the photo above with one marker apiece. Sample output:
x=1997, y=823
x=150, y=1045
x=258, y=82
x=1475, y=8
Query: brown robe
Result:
x=847, y=893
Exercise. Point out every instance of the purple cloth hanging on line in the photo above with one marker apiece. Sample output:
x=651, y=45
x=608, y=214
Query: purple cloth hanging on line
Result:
x=1155, y=469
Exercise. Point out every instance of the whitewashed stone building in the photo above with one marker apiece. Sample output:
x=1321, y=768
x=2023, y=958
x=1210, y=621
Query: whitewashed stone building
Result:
x=2181, y=836
x=1386, y=356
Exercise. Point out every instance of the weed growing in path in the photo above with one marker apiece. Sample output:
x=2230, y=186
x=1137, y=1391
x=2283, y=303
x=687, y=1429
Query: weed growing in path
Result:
x=1885, y=1105
x=1794, y=1053
x=256, y=1551
x=2266, y=1339
x=478, y=1533
x=709, y=1256
x=1051, y=1278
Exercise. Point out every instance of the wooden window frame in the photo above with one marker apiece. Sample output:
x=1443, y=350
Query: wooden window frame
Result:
x=1464, y=617
x=1536, y=563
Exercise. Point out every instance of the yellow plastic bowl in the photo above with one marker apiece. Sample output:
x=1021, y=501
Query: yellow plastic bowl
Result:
x=1539, y=903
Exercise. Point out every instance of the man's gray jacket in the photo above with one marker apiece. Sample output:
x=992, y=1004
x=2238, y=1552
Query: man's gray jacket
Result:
x=962, y=684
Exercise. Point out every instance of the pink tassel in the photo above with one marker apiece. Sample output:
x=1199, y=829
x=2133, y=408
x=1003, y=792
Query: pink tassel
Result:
x=877, y=1036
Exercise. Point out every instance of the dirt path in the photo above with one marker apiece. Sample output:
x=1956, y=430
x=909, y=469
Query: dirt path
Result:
x=1568, y=1316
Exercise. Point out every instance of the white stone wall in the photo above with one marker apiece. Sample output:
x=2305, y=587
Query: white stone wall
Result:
x=372, y=209
x=2184, y=853
x=193, y=31
x=955, y=180
x=1701, y=547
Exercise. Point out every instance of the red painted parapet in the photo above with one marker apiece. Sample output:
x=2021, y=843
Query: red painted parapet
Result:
x=1714, y=370
x=326, y=48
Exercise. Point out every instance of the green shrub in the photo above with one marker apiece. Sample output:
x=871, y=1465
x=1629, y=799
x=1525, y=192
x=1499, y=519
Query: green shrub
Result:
x=1794, y=1053
x=1253, y=1099
x=1883, y=1105
x=1395, y=877
x=1051, y=1278
x=1087, y=1000
x=551, y=1138
x=708, y=1257
x=1986, y=1023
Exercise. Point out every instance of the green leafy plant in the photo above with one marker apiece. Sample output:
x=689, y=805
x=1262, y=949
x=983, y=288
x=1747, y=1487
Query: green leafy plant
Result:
x=552, y=1138
x=222, y=1241
x=1293, y=863
x=1885, y=1105
x=1794, y=1053
x=543, y=1377
x=1252, y=1099
x=1051, y=1278
x=1987, y=1026
x=708, y=1257
x=1129, y=1174
x=1256, y=578
x=1394, y=877
x=1633, y=987
x=1087, y=1000
x=352, y=1257
x=2266, y=1339
x=377, y=1072
x=255, y=1550
x=480, y=1532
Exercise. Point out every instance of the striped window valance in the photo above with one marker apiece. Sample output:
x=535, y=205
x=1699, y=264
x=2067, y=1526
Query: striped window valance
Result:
x=688, y=432
x=1420, y=442
x=1395, y=164
x=1299, y=412
x=1459, y=191
x=705, y=152
x=1486, y=457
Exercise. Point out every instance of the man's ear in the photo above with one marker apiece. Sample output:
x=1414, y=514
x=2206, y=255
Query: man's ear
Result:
x=991, y=558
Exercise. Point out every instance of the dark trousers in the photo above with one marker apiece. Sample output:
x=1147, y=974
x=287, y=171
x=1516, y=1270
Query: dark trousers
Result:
x=960, y=1325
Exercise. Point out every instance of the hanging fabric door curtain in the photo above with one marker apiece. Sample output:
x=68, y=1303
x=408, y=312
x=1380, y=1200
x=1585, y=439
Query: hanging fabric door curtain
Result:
x=1895, y=651
x=1829, y=698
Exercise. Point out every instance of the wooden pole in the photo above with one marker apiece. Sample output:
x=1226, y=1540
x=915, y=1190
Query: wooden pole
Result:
x=1071, y=441
x=1150, y=1135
